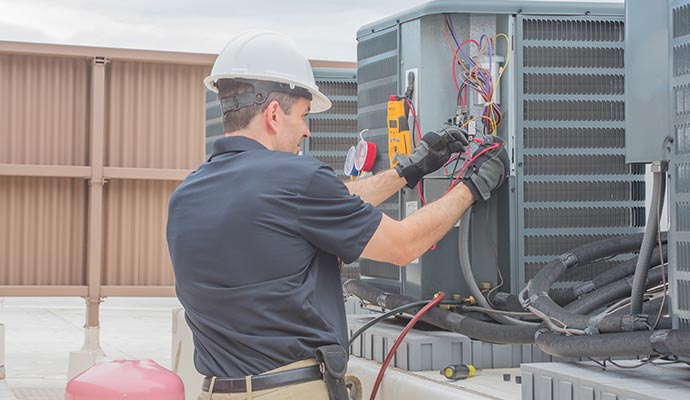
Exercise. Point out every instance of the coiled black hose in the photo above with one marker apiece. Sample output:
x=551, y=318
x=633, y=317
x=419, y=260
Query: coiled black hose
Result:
x=539, y=286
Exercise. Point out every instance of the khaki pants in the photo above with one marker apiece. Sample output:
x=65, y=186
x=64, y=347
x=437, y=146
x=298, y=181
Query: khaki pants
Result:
x=313, y=390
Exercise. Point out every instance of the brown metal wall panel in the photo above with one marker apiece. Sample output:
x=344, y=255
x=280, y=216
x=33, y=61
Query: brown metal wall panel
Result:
x=135, y=248
x=43, y=231
x=155, y=115
x=43, y=110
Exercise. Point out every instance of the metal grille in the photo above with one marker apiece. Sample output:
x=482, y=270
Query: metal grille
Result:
x=333, y=125
x=682, y=138
x=556, y=245
x=683, y=178
x=544, y=138
x=574, y=84
x=682, y=100
x=581, y=274
x=377, y=77
x=550, y=110
x=681, y=21
x=330, y=143
x=683, y=295
x=683, y=323
x=583, y=191
x=335, y=131
x=573, y=57
x=683, y=252
x=573, y=30
x=681, y=56
x=592, y=217
x=578, y=165
x=683, y=216
x=570, y=154
x=377, y=80
x=679, y=248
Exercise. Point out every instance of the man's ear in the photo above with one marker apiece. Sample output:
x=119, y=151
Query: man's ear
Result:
x=271, y=115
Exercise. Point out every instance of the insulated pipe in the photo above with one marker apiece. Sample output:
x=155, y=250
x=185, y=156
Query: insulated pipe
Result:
x=625, y=269
x=652, y=308
x=610, y=293
x=650, y=236
x=627, y=344
x=474, y=328
x=539, y=286
x=565, y=296
x=466, y=268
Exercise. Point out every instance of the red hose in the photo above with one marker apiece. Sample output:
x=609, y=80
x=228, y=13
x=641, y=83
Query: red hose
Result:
x=437, y=299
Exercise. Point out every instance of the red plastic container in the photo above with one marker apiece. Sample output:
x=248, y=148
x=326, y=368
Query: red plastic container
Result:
x=125, y=379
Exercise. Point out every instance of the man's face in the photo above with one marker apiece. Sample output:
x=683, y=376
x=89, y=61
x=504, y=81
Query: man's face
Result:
x=294, y=127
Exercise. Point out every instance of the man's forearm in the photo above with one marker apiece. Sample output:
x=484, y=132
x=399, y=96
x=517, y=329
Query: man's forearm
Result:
x=431, y=223
x=400, y=242
x=375, y=189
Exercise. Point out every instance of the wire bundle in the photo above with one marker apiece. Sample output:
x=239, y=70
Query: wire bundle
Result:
x=475, y=77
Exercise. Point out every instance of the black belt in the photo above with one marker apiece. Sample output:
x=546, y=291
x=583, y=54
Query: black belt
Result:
x=266, y=381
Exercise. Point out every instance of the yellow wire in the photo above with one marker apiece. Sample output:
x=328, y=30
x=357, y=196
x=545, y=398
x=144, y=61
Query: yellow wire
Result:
x=492, y=122
x=503, y=69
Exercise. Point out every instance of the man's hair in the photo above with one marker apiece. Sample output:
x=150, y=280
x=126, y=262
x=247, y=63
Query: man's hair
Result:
x=240, y=119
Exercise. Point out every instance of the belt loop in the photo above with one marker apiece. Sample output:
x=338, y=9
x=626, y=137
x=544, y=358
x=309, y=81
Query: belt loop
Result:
x=248, y=383
x=210, y=387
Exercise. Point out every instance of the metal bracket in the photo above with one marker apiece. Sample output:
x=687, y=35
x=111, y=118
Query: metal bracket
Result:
x=100, y=60
x=101, y=181
x=659, y=166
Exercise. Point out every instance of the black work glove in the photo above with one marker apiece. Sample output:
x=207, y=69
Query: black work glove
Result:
x=488, y=171
x=431, y=154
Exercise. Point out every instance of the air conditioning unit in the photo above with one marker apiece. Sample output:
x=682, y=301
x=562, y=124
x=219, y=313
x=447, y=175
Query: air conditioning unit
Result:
x=563, y=104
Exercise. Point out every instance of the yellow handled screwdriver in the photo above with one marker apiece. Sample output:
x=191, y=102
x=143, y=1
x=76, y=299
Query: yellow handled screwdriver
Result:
x=455, y=372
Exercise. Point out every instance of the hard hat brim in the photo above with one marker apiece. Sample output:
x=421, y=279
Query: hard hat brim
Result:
x=319, y=102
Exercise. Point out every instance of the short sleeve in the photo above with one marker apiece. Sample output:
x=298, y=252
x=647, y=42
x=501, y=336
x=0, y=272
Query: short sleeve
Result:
x=333, y=220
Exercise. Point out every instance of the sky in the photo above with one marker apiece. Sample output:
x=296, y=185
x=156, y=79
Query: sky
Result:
x=323, y=29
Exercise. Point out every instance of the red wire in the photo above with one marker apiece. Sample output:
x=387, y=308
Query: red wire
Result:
x=419, y=132
x=467, y=164
x=414, y=117
x=439, y=297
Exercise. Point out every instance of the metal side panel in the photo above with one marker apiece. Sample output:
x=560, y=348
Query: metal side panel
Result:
x=679, y=168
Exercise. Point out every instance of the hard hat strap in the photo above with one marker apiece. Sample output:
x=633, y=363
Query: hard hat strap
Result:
x=260, y=94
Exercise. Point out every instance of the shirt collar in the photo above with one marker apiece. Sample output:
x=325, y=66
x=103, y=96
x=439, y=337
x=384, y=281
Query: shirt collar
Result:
x=232, y=144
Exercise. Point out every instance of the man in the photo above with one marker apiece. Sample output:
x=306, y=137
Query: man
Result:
x=256, y=232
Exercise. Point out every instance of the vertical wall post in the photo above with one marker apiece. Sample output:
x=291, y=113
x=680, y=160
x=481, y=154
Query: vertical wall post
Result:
x=91, y=350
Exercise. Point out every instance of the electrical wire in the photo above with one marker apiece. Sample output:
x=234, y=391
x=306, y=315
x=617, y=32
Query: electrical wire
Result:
x=494, y=253
x=510, y=50
x=438, y=298
x=498, y=312
x=468, y=163
x=390, y=313
x=475, y=77
x=414, y=118
x=641, y=364
x=384, y=316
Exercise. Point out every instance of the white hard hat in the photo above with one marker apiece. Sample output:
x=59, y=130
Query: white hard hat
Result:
x=266, y=56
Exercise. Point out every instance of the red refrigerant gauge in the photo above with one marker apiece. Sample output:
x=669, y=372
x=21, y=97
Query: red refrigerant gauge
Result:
x=365, y=156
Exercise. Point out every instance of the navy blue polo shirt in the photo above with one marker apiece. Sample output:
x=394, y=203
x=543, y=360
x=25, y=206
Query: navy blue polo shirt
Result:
x=254, y=236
